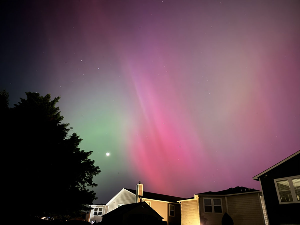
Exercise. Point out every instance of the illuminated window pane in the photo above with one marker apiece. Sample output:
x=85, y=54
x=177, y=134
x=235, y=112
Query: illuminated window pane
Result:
x=296, y=184
x=284, y=191
x=218, y=209
x=95, y=209
x=208, y=208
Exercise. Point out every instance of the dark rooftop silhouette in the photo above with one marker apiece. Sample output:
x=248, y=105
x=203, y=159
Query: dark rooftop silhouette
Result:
x=126, y=208
x=230, y=191
x=156, y=196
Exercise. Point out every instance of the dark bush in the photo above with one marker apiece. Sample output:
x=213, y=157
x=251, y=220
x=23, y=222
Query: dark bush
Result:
x=227, y=220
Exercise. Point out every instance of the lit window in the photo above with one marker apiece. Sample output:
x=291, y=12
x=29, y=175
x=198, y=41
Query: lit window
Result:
x=296, y=184
x=288, y=189
x=95, y=211
x=172, y=210
x=98, y=211
x=212, y=205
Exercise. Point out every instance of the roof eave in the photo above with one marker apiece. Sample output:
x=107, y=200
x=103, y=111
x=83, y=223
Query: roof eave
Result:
x=277, y=164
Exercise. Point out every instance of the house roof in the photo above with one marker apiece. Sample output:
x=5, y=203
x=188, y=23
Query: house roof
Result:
x=277, y=164
x=156, y=196
x=126, y=208
x=231, y=191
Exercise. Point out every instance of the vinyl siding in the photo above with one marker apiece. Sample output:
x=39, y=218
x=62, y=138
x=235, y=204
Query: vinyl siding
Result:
x=245, y=209
x=123, y=197
x=212, y=218
x=190, y=212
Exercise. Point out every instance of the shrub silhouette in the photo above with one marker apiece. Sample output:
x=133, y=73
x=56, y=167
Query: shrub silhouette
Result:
x=227, y=220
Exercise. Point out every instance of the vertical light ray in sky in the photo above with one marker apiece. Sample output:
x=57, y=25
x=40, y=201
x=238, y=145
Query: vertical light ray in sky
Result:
x=187, y=96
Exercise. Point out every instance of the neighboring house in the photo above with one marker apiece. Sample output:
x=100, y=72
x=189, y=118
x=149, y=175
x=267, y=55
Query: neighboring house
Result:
x=242, y=204
x=281, y=191
x=133, y=214
x=166, y=206
x=96, y=212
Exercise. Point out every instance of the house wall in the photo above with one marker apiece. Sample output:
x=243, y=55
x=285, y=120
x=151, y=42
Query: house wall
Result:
x=280, y=213
x=190, y=212
x=211, y=218
x=245, y=209
x=123, y=197
x=92, y=217
x=162, y=208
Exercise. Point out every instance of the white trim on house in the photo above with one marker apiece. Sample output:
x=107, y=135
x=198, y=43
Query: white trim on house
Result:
x=292, y=189
x=266, y=217
x=148, y=202
x=277, y=164
x=191, y=199
x=146, y=199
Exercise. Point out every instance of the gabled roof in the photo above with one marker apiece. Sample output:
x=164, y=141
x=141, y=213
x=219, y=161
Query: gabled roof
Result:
x=123, y=189
x=159, y=197
x=231, y=191
x=277, y=164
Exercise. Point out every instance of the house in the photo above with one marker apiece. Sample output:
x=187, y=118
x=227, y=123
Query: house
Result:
x=242, y=204
x=166, y=206
x=96, y=212
x=281, y=191
x=135, y=213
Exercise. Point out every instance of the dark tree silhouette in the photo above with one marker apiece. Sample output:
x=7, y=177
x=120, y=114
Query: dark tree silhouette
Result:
x=49, y=175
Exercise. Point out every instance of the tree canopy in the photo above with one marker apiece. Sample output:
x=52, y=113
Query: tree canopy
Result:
x=49, y=174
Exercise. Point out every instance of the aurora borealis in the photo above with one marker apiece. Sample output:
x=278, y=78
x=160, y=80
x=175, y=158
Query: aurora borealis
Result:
x=187, y=96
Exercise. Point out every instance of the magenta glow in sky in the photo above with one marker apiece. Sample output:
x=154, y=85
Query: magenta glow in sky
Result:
x=186, y=96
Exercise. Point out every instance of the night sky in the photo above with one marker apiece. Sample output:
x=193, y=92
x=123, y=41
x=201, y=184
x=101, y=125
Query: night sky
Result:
x=187, y=96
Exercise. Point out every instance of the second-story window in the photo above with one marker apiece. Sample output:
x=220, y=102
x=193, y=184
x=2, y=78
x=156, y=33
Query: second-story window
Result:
x=212, y=205
x=172, y=210
x=288, y=189
x=98, y=211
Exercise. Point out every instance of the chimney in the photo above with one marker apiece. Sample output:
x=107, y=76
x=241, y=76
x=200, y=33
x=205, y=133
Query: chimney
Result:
x=139, y=192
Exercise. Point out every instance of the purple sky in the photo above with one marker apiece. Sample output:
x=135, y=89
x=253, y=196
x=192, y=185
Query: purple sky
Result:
x=187, y=95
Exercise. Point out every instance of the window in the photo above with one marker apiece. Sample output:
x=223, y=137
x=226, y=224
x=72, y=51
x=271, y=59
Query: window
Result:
x=98, y=211
x=212, y=205
x=288, y=189
x=171, y=210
